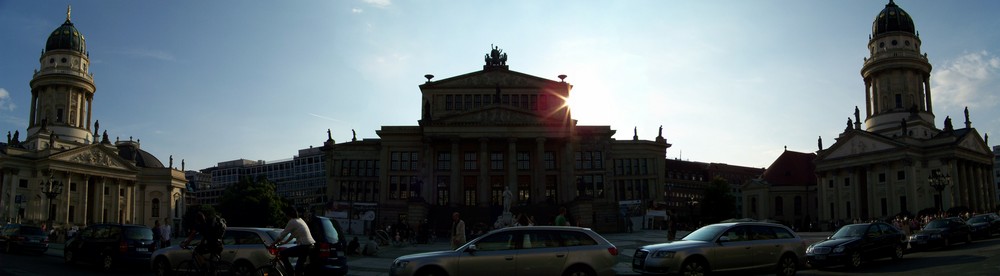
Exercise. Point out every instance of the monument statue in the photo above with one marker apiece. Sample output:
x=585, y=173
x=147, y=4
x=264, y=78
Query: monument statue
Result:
x=857, y=114
x=328, y=135
x=507, y=198
x=661, y=131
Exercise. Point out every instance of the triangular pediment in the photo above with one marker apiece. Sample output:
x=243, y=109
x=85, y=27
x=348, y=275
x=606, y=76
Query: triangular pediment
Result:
x=489, y=79
x=94, y=155
x=972, y=141
x=858, y=144
x=494, y=114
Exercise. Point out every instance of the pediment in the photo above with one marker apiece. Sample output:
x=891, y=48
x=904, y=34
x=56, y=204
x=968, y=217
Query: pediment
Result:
x=491, y=78
x=974, y=143
x=858, y=145
x=94, y=155
x=496, y=114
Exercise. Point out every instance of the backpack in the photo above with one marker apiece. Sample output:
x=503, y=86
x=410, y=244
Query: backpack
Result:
x=216, y=229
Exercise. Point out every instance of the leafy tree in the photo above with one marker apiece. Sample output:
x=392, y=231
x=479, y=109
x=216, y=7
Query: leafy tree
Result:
x=252, y=203
x=718, y=204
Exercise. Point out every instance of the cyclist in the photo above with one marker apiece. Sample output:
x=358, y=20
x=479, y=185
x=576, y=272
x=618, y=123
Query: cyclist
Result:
x=303, y=240
x=211, y=241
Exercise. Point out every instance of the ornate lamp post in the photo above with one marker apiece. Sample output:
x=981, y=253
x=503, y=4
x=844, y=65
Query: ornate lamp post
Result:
x=51, y=189
x=938, y=181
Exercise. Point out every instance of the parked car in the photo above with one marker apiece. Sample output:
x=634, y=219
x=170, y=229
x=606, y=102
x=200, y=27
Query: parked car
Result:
x=941, y=232
x=243, y=247
x=110, y=245
x=984, y=225
x=733, y=246
x=857, y=243
x=329, y=255
x=24, y=238
x=521, y=250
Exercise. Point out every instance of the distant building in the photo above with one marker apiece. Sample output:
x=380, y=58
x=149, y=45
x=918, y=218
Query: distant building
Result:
x=488, y=131
x=197, y=188
x=92, y=180
x=786, y=192
x=891, y=165
x=996, y=175
x=301, y=179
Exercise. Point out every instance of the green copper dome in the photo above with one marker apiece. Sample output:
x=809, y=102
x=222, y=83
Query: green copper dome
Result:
x=66, y=37
x=892, y=19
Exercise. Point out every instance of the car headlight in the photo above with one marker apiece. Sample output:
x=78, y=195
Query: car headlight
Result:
x=838, y=249
x=400, y=263
x=663, y=254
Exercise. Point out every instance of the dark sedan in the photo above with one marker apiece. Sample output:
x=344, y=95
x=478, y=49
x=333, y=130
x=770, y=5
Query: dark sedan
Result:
x=941, y=232
x=857, y=243
x=25, y=238
x=985, y=225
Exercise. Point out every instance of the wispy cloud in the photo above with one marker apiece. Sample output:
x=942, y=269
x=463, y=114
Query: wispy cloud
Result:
x=326, y=118
x=151, y=54
x=379, y=3
x=965, y=81
x=5, y=103
x=357, y=10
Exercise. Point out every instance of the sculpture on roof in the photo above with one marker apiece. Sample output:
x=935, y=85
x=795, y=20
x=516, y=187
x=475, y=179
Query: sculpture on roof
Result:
x=354, y=135
x=496, y=57
x=97, y=127
x=947, y=124
x=328, y=135
x=857, y=114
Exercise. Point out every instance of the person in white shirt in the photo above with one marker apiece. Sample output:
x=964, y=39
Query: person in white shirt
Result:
x=165, y=232
x=303, y=240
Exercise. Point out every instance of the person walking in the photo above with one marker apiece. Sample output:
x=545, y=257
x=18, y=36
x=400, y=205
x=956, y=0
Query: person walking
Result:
x=457, y=231
x=157, y=232
x=561, y=218
x=165, y=233
x=671, y=227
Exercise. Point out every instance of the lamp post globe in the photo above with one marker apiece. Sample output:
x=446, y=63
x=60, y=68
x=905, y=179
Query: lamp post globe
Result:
x=938, y=181
x=51, y=189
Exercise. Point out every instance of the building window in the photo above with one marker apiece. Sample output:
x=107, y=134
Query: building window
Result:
x=72, y=213
x=779, y=206
x=523, y=160
x=848, y=209
x=847, y=182
x=899, y=101
x=496, y=161
x=515, y=100
x=469, y=190
x=443, y=193
x=155, y=208
x=72, y=187
x=107, y=191
x=59, y=115
x=404, y=160
x=470, y=161
x=444, y=161
x=534, y=102
x=23, y=183
x=902, y=203
x=458, y=102
x=550, y=188
x=550, y=160
x=523, y=188
x=478, y=101
x=449, y=102
x=881, y=177
x=619, y=167
x=885, y=208
x=121, y=192
x=496, y=190
x=900, y=175
x=829, y=183
x=468, y=102
x=586, y=160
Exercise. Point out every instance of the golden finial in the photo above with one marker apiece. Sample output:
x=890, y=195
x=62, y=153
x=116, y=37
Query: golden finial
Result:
x=68, y=10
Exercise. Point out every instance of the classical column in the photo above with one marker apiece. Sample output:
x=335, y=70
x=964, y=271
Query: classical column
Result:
x=512, y=170
x=34, y=105
x=90, y=104
x=455, y=182
x=483, y=189
x=67, y=198
x=84, y=202
x=567, y=187
x=538, y=181
x=9, y=191
x=927, y=90
x=868, y=98
x=116, y=194
x=100, y=204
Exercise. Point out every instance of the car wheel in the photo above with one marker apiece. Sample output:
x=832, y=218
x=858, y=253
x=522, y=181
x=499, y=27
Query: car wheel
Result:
x=855, y=260
x=243, y=268
x=162, y=267
x=694, y=268
x=579, y=271
x=898, y=253
x=107, y=262
x=786, y=266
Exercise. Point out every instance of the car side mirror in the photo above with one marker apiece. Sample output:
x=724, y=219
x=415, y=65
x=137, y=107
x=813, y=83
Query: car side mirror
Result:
x=723, y=239
x=471, y=249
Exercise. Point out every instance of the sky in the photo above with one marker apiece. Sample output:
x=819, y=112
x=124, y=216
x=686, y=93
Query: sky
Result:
x=730, y=81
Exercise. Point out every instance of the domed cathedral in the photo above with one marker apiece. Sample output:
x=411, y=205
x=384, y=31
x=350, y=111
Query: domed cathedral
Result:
x=901, y=163
x=494, y=145
x=64, y=172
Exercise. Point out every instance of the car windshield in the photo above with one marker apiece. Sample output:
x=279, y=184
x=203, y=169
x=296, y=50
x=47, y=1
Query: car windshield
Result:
x=937, y=224
x=851, y=231
x=707, y=233
x=34, y=231
x=138, y=233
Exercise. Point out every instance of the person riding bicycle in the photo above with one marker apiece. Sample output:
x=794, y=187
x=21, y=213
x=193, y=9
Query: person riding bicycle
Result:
x=303, y=240
x=211, y=242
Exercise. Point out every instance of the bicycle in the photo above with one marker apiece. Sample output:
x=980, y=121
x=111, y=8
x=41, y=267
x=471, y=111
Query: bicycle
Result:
x=274, y=267
x=382, y=237
x=216, y=266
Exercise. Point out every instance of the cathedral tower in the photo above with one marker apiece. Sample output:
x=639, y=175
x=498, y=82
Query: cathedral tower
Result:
x=62, y=91
x=897, y=78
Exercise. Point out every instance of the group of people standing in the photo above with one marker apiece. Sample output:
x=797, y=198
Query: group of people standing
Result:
x=162, y=234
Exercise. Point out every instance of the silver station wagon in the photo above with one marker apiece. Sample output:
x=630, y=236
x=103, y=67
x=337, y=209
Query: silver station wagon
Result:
x=527, y=250
x=244, y=248
x=725, y=247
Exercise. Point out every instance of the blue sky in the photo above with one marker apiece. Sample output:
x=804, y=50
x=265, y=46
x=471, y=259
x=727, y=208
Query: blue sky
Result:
x=730, y=81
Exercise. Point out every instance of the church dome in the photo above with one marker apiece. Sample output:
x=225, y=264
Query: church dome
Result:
x=892, y=19
x=66, y=37
x=143, y=159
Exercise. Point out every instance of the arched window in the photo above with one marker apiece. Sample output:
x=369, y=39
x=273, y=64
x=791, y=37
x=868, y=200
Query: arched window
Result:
x=778, y=206
x=156, y=207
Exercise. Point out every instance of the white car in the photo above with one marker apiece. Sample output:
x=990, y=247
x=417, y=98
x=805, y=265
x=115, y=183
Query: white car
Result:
x=526, y=250
x=244, y=248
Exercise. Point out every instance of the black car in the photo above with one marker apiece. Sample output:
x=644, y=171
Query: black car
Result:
x=17, y=237
x=328, y=256
x=985, y=225
x=110, y=245
x=941, y=232
x=856, y=243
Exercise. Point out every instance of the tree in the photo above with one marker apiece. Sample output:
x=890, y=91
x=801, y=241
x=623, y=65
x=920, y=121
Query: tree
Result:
x=718, y=204
x=252, y=203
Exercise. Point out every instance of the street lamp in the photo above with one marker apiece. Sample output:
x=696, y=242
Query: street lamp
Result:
x=691, y=203
x=51, y=189
x=938, y=181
